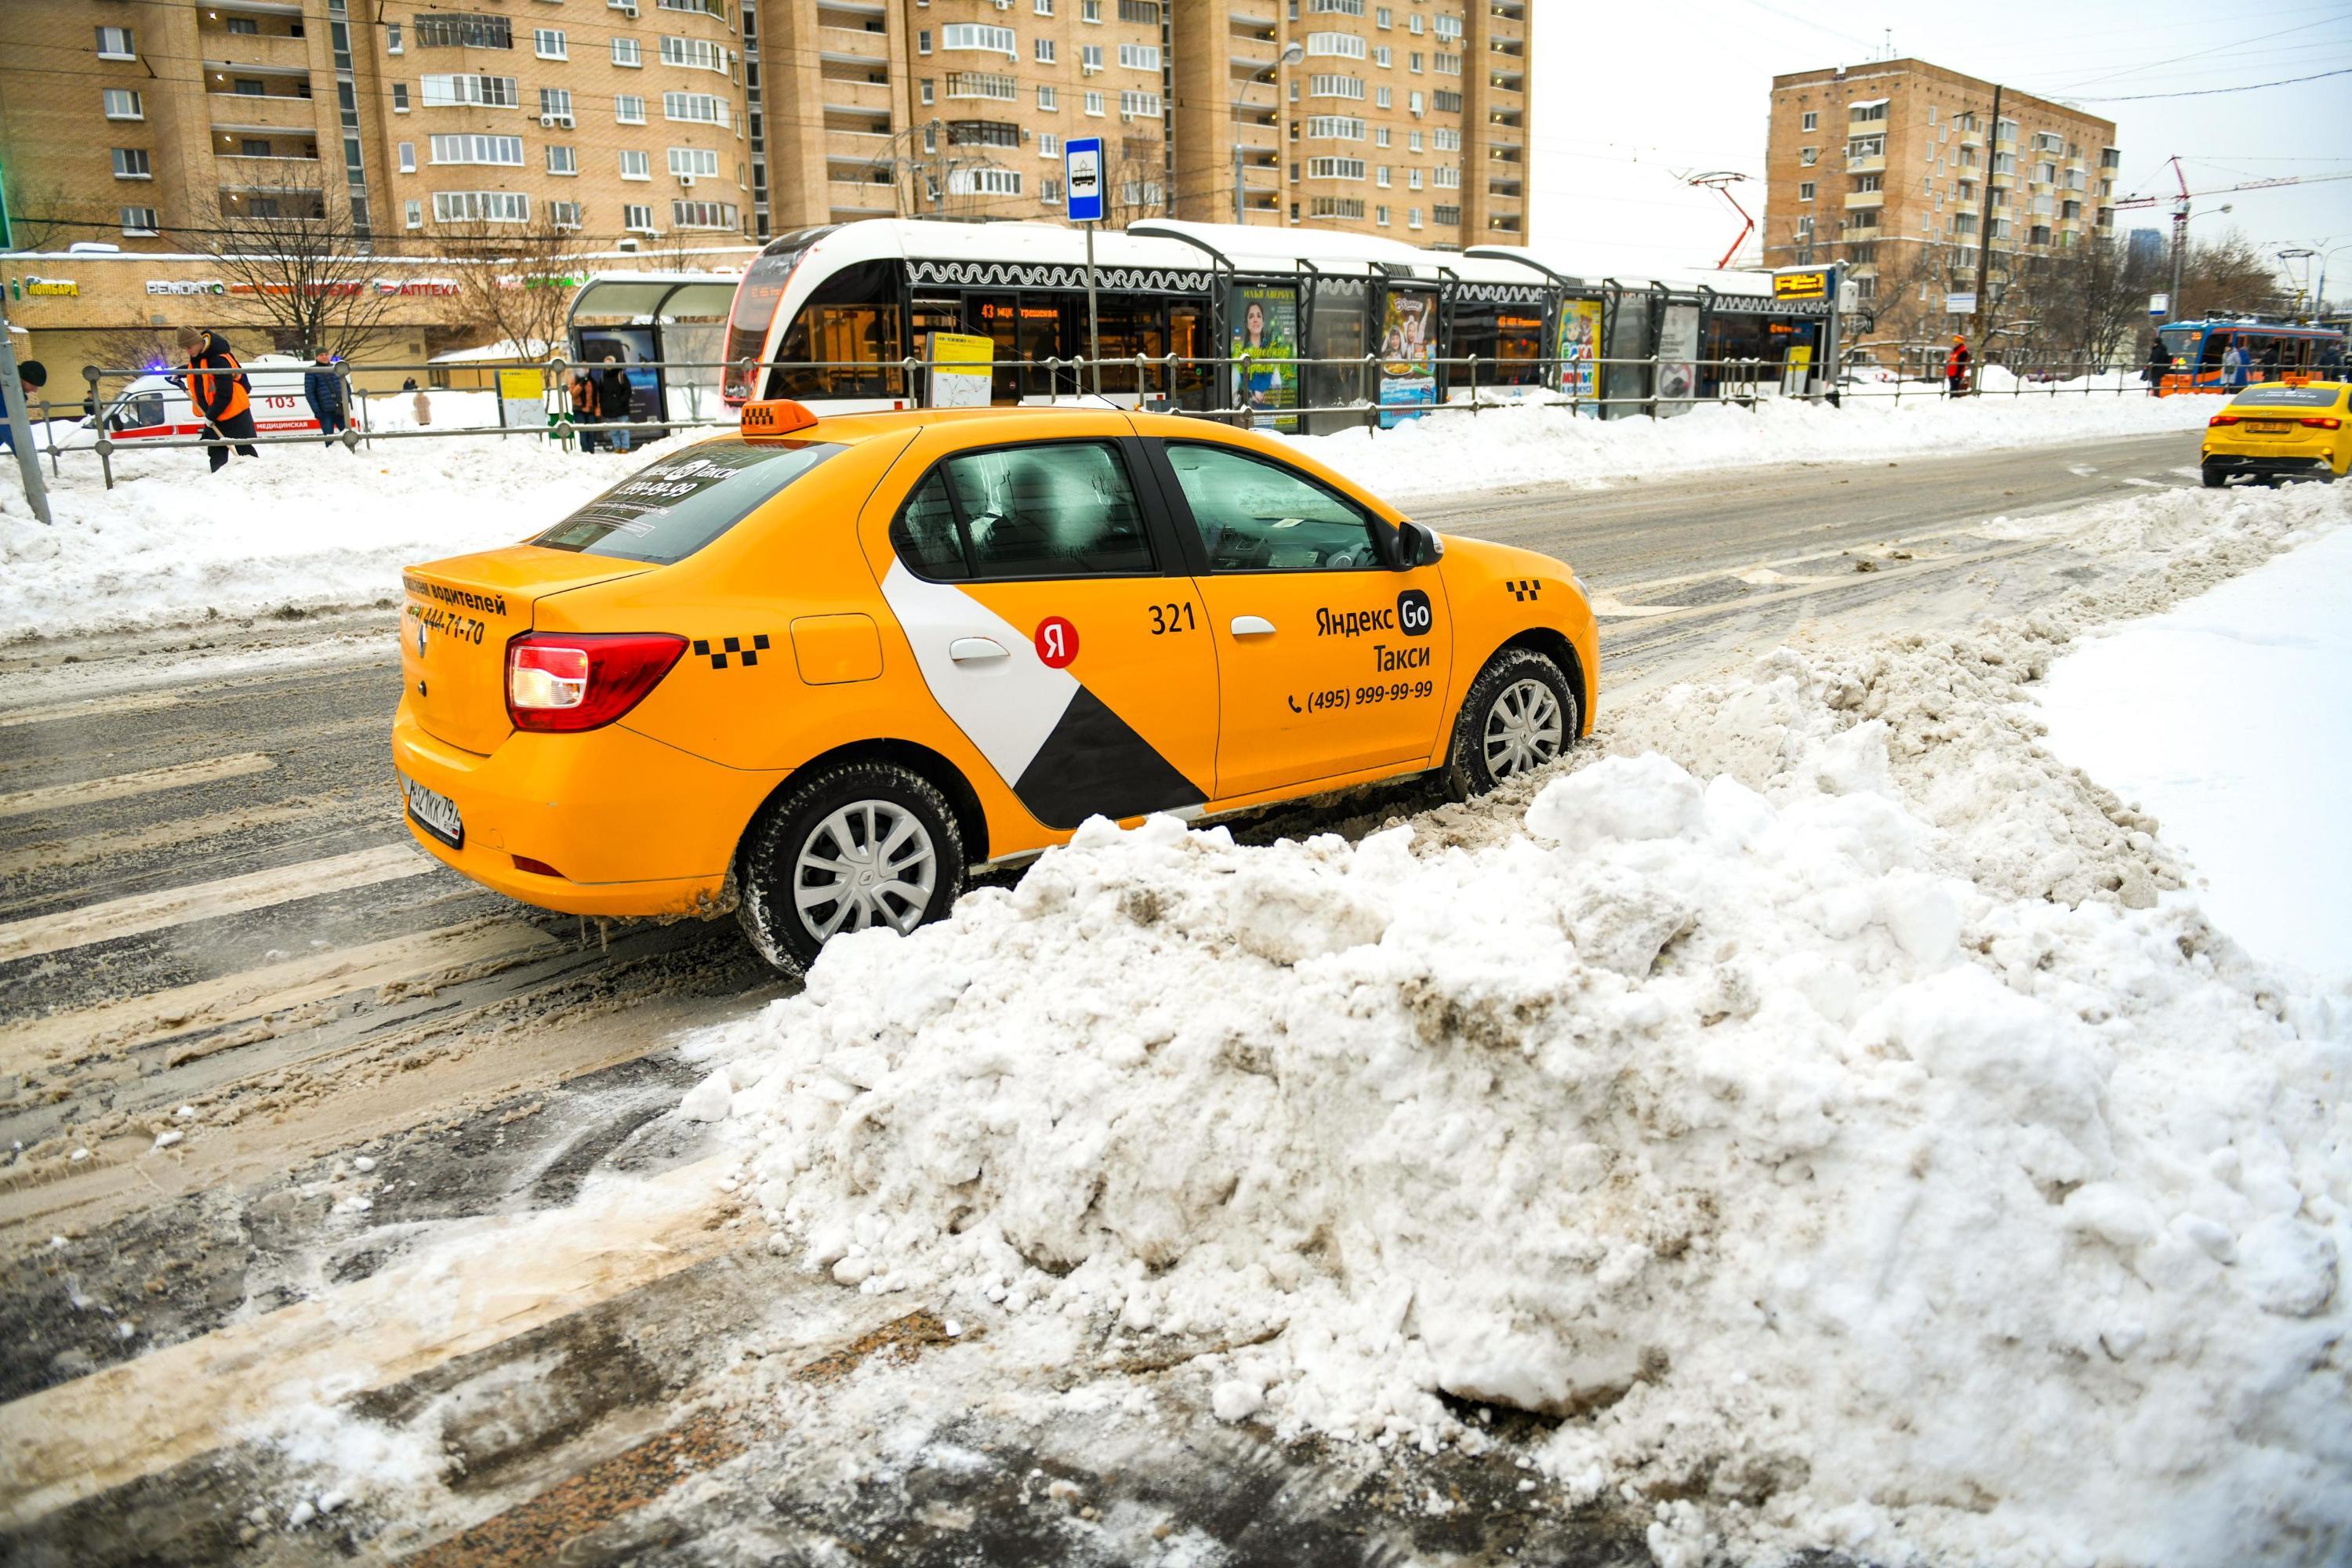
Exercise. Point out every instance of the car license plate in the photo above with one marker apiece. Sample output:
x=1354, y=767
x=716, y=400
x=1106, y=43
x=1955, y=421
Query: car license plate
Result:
x=2268, y=426
x=434, y=812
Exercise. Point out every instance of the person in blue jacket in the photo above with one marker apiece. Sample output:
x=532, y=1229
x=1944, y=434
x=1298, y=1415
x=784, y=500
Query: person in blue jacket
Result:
x=322, y=389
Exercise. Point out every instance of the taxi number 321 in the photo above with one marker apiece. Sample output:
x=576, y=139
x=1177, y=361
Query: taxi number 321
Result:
x=1340, y=697
x=1166, y=618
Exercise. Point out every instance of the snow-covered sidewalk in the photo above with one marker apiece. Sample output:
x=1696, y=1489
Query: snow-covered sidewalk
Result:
x=1821, y=1098
x=306, y=528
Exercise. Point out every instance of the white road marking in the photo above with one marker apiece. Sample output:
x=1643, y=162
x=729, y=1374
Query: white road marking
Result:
x=90, y=707
x=231, y=895
x=179, y=775
x=494, y=1281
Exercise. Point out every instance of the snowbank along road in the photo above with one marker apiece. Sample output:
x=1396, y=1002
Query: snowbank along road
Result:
x=283, y=1094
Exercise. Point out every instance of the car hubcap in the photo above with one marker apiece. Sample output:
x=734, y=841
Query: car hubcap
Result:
x=871, y=863
x=1524, y=728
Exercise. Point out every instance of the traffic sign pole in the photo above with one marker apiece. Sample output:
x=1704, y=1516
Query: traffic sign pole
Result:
x=20, y=425
x=1082, y=196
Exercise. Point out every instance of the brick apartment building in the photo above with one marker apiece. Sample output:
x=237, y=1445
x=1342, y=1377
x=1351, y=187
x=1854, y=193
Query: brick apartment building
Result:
x=1892, y=167
x=638, y=123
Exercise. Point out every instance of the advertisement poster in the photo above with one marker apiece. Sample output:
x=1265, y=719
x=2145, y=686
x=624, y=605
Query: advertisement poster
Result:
x=1580, y=348
x=1408, y=357
x=1677, y=360
x=1264, y=355
x=522, y=399
x=1796, y=368
x=964, y=369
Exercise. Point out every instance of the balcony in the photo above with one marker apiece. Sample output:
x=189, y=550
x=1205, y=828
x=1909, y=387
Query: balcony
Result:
x=228, y=53
x=1511, y=188
x=853, y=46
x=860, y=98
x=1866, y=165
x=263, y=111
x=1507, y=81
x=1857, y=199
x=855, y=146
x=860, y=198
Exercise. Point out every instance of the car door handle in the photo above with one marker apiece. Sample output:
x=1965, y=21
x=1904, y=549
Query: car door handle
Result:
x=973, y=650
x=1252, y=626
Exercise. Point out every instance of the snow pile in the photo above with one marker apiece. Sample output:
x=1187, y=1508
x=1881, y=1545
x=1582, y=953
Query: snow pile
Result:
x=1835, y=1128
x=2225, y=717
x=300, y=527
x=1546, y=444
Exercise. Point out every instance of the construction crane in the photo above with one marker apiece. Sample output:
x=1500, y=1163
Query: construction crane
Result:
x=2180, y=212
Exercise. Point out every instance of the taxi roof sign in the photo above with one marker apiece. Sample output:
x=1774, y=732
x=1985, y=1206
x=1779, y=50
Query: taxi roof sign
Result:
x=775, y=416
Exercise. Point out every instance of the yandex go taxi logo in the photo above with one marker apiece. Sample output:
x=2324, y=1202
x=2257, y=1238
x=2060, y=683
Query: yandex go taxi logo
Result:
x=1057, y=642
x=1414, y=614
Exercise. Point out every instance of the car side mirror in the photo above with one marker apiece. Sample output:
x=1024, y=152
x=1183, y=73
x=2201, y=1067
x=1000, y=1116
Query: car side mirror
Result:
x=1417, y=545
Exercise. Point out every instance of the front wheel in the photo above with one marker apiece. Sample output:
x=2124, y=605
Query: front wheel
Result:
x=1521, y=714
x=858, y=845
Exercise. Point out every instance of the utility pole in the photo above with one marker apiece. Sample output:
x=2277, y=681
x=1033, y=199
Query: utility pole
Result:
x=1981, y=317
x=20, y=423
x=1238, y=216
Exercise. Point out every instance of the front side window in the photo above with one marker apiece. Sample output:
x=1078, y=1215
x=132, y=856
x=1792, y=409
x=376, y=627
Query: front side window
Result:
x=1058, y=509
x=669, y=510
x=1259, y=516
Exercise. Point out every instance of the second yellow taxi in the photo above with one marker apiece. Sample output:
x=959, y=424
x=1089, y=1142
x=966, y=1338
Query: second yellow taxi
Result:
x=824, y=668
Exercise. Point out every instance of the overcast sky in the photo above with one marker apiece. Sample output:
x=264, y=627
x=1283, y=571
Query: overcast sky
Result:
x=1629, y=97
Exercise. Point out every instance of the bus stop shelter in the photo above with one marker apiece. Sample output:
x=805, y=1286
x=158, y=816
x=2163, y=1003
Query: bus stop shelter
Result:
x=667, y=329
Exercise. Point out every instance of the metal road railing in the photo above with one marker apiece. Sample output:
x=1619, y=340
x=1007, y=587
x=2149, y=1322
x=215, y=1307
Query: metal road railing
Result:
x=1359, y=390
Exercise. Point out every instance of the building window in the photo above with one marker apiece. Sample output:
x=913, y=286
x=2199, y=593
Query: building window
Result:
x=1413, y=179
x=1049, y=192
x=1868, y=182
x=414, y=214
x=1335, y=168
x=480, y=206
x=1446, y=217
x=628, y=52
x=1384, y=18
x=556, y=101
x=1139, y=57
x=563, y=215
x=1336, y=206
x=1335, y=128
x=114, y=44
x=1415, y=24
x=637, y=219
x=692, y=163
x=693, y=54
x=636, y=166
x=547, y=44
x=562, y=160
x=697, y=108
x=1805, y=190
x=929, y=90
x=1380, y=56
x=1412, y=215
x=1095, y=104
x=629, y=109
x=984, y=182
x=464, y=148
x=703, y=215
x=1048, y=98
x=1336, y=87
x=139, y=222
x=1448, y=178
x=1132, y=104
x=1146, y=12
x=1091, y=11
x=408, y=157
x=489, y=91
x=244, y=27
x=1090, y=57
x=982, y=85
x=1048, y=144
x=400, y=98
x=1045, y=51
x=1345, y=46
x=1813, y=121
x=391, y=44
x=452, y=32
x=123, y=103
x=130, y=163
x=980, y=36
x=1413, y=142
x=1381, y=215
x=1043, y=8
x=922, y=40
x=1809, y=156
x=1446, y=140
x=1381, y=176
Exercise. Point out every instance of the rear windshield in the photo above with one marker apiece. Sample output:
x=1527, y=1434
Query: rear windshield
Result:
x=2288, y=397
x=666, y=511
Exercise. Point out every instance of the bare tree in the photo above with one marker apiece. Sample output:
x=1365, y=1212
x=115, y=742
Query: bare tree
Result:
x=42, y=213
x=2227, y=277
x=515, y=281
x=297, y=267
x=1133, y=184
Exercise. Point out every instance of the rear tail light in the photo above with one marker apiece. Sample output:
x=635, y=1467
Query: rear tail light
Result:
x=2222, y=419
x=2322, y=424
x=566, y=681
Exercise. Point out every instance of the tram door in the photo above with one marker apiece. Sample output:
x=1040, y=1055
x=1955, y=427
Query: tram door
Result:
x=1187, y=337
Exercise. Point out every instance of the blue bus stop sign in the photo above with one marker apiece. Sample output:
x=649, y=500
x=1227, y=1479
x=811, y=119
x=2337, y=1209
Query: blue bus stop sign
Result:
x=1082, y=178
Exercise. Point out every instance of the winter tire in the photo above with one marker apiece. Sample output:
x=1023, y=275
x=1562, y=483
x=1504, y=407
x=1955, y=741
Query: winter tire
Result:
x=2215, y=479
x=1521, y=714
x=860, y=844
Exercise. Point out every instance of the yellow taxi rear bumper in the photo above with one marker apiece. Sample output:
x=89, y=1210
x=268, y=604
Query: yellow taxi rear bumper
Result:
x=631, y=826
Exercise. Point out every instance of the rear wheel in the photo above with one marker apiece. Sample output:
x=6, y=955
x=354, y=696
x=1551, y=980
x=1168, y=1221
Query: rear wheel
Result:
x=1521, y=714
x=2215, y=478
x=857, y=846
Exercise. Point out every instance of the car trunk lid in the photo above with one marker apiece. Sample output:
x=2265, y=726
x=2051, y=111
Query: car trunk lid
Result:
x=455, y=620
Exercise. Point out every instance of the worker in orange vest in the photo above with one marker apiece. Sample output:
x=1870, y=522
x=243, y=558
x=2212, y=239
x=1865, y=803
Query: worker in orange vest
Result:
x=1956, y=368
x=217, y=386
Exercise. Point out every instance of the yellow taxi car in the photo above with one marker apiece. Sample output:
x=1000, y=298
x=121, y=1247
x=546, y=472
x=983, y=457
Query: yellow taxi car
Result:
x=824, y=668
x=2274, y=431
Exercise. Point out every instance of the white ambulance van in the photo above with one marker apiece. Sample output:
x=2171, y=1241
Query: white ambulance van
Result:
x=157, y=407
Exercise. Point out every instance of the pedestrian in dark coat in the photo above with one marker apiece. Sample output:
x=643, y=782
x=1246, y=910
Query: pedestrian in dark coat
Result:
x=2159, y=365
x=1956, y=368
x=615, y=398
x=584, y=406
x=217, y=386
x=2270, y=361
x=322, y=389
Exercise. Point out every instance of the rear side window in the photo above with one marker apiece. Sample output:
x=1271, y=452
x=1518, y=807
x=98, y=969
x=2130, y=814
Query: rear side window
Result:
x=1045, y=508
x=2288, y=397
x=666, y=511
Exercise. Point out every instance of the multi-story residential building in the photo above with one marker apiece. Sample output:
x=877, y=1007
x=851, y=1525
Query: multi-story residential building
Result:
x=1898, y=168
x=633, y=123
